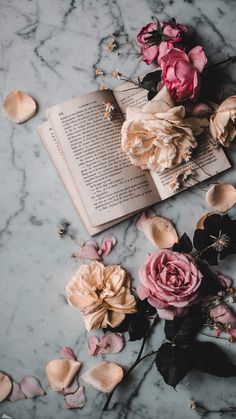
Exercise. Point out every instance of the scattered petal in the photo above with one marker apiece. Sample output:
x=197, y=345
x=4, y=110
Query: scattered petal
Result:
x=111, y=343
x=92, y=345
x=19, y=106
x=31, y=387
x=159, y=231
x=67, y=353
x=221, y=313
x=224, y=281
x=200, y=223
x=221, y=197
x=72, y=388
x=60, y=373
x=108, y=242
x=5, y=386
x=16, y=393
x=104, y=376
x=201, y=109
x=75, y=400
x=89, y=250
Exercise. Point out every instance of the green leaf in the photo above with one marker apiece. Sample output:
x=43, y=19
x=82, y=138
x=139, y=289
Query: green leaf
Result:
x=174, y=362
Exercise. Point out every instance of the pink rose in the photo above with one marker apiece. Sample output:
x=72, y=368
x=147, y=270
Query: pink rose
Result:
x=170, y=281
x=157, y=39
x=181, y=72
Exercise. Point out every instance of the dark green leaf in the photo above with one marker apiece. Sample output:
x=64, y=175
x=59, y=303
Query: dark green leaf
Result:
x=184, y=245
x=209, y=358
x=151, y=94
x=144, y=308
x=211, y=286
x=174, y=362
x=182, y=330
x=138, y=327
x=150, y=83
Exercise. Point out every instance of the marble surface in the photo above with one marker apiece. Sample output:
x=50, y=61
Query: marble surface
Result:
x=49, y=49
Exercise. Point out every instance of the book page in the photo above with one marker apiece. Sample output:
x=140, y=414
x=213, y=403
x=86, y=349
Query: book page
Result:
x=110, y=186
x=52, y=145
x=206, y=162
x=129, y=95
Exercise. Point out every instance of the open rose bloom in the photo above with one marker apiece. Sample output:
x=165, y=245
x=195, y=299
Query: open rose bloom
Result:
x=223, y=122
x=171, y=283
x=102, y=294
x=158, y=136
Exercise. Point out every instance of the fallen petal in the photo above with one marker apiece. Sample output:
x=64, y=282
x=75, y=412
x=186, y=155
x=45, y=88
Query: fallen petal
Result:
x=93, y=345
x=5, y=386
x=159, y=231
x=89, y=250
x=108, y=242
x=16, y=393
x=67, y=353
x=111, y=343
x=72, y=388
x=75, y=400
x=200, y=223
x=31, y=387
x=19, y=106
x=223, y=314
x=221, y=197
x=61, y=372
x=104, y=376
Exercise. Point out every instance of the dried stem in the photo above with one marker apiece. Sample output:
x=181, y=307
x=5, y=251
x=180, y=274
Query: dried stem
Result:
x=136, y=362
x=204, y=411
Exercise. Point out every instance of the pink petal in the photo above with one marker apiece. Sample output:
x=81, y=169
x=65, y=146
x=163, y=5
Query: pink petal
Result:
x=198, y=58
x=224, y=281
x=31, y=387
x=72, y=388
x=75, y=400
x=89, y=250
x=16, y=393
x=145, y=215
x=92, y=345
x=67, y=353
x=223, y=314
x=111, y=343
x=201, y=109
x=108, y=242
x=232, y=332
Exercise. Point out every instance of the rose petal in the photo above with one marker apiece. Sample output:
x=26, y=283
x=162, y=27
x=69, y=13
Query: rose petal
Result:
x=75, y=400
x=108, y=242
x=224, y=281
x=201, y=109
x=111, y=343
x=223, y=314
x=198, y=58
x=72, y=388
x=19, y=106
x=104, y=376
x=159, y=231
x=200, y=223
x=67, y=353
x=89, y=250
x=16, y=393
x=31, y=387
x=221, y=197
x=61, y=372
x=5, y=386
x=93, y=345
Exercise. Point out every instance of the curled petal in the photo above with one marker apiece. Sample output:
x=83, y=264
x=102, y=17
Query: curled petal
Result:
x=67, y=353
x=159, y=231
x=16, y=393
x=89, y=250
x=5, y=386
x=104, y=376
x=75, y=400
x=72, y=388
x=223, y=314
x=108, y=243
x=198, y=58
x=93, y=345
x=19, y=106
x=221, y=197
x=224, y=281
x=31, y=387
x=61, y=372
x=110, y=343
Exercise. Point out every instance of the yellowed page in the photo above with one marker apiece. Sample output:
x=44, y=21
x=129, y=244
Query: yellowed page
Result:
x=128, y=95
x=53, y=147
x=205, y=163
x=110, y=186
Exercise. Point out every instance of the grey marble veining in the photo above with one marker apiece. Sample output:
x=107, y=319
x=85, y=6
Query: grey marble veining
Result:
x=50, y=49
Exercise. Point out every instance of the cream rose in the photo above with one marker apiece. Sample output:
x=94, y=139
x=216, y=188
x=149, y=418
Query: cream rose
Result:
x=158, y=136
x=223, y=122
x=102, y=294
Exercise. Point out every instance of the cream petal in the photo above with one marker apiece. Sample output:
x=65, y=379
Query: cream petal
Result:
x=61, y=372
x=104, y=376
x=95, y=320
x=159, y=231
x=5, y=386
x=114, y=319
x=19, y=106
x=221, y=197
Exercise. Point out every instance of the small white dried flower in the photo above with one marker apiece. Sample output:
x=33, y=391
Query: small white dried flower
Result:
x=99, y=72
x=108, y=114
x=112, y=44
x=116, y=74
x=174, y=185
x=193, y=405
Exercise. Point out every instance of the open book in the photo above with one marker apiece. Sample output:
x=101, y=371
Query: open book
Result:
x=103, y=184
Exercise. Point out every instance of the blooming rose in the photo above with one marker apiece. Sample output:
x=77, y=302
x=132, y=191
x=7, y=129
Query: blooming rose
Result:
x=102, y=294
x=223, y=122
x=181, y=72
x=158, y=136
x=170, y=281
x=156, y=39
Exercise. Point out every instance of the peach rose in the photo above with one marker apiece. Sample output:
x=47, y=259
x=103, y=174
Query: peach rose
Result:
x=158, y=136
x=102, y=294
x=223, y=122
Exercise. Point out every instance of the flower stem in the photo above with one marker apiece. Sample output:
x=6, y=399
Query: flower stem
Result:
x=136, y=362
x=204, y=411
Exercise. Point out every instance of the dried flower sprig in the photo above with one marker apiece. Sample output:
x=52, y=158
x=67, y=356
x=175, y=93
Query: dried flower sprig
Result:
x=204, y=411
